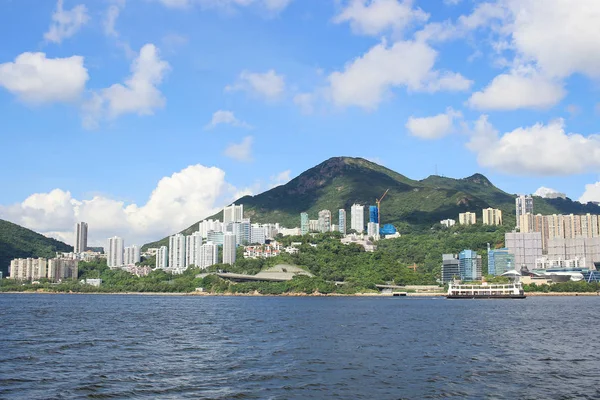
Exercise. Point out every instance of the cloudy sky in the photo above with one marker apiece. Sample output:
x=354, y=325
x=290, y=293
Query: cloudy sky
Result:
x=143, y=116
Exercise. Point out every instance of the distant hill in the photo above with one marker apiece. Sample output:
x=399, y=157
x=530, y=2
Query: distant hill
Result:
x=410, y=205
x=18, y=242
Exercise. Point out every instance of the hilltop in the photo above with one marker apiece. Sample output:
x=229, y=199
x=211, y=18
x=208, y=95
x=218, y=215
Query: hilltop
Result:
x=410, y=205
x=19, y=242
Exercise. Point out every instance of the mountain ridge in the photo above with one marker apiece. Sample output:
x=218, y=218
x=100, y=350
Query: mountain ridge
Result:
x=410, y=204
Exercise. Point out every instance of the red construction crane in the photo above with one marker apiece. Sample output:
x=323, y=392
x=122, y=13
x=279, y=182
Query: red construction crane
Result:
x=378, y=202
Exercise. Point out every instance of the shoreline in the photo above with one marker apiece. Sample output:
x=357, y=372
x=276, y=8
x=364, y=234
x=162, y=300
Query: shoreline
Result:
x=254, y=294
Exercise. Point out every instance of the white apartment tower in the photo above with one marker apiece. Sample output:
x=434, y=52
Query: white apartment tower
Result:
x=233, y=213
x=208, y=255
x=357, y=218
x=523, y=205
x=342, y=221
x=132, y=255
x=192, y=249
x=229, y=248
x=81, y=233
x=115, y=252
x=177, y=252
x=162, y=257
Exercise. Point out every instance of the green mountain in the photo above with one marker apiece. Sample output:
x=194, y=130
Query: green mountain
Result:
x=410, y=205
x=19, y=242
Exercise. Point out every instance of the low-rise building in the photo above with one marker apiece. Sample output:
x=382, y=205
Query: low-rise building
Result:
x=450, y=268
x=448, y=223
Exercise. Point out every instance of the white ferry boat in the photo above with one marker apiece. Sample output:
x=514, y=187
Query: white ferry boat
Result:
x=485, y=291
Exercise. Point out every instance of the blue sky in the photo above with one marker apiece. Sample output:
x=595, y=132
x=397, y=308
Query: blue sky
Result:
x=143, y=116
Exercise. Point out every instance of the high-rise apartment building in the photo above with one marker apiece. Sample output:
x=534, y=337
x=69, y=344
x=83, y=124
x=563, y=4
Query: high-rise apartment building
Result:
x=233, y=213
x=469, y=264
x=357, y=218
x=162, y=257
x=373, y=230
x=215, y=237
x=192, y=249
x=342, y=221
x=500, y=261
x=257, y=234
x=208, y=255
x=325, y=221
x=313, y=225
x=523, y=205
x=81, y=235
x=115, y=252
x=467, y=218
x=373, y=214
x=132, y=255
x=492, y=216
x=526, y=247
x=242, y=231
x=177, y=252
x=209, y=225
x=304, y=223
x=229, y=248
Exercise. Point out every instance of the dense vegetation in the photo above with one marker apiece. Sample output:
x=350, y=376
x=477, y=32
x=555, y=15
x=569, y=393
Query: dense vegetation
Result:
x=19, y=242
x=412, y=206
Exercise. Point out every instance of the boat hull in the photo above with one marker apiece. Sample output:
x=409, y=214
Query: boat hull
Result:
x=499, y=296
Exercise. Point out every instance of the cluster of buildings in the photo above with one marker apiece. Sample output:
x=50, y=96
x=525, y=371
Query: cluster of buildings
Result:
x=489, y=216
x=54, y=269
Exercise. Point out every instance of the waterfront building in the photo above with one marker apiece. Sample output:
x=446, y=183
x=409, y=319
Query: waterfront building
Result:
x=373, y=230
x=500, y=261
x=257, y=234
x=357, y=218
x=208, y=255
x=492, y=216
x=342, y=221
x=467, y=218
x=548, y=263
x=304, y=223
x=62, y=268
x=526, y=247
x=192, y=249
x=215, y=237
x=115, y=252
x=81, y=235
x=450, y=268
x=132, y=255
x=469, y=264
x=523, y=205
x=324, y=221
x=177, y=252
x=313, y=225
x=28, y=268
x=448, y=223
x=162, y=257
x=233, y=213
x=373, y=214
x=585, y=249
x=229, y=248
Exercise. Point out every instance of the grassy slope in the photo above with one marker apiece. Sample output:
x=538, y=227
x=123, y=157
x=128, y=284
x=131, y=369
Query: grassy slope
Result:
x=410, y=205
x=16, y=242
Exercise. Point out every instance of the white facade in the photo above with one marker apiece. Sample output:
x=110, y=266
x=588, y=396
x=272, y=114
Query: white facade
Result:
x=81, y=234
x=523, y=205
x=342, y=221
x=162, y=257
x=132, y=255
x=229, y=248
x=233, y=213
x=257, y=234
x=448, y=222
x=115, y=252
x=209, y=225
x=177, y=252
x=373, y=230
x=208, y=255
x=192, y=249
x=357, y=218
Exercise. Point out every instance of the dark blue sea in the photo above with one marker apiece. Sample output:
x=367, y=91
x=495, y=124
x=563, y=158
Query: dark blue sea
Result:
x=168, y=347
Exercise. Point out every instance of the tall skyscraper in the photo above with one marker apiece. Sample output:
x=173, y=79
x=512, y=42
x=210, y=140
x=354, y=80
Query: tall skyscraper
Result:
x=81, y=234
x=342, y=221
x=229, y=248
x=304, y=223
x=208, y=255
x=177, y=252
x=162, y=257
x=325, y=221
x=523, y=205
x=373, y=214
x=233, y=213
x=470, y=265
x=357, y=218
x=132, y=255
x=115, y=252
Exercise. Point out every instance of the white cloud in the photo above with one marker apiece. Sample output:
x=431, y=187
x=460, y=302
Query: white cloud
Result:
x=368, y=79
x=433, y=127
x=280, y=179
x=549, y=193
x=35, y=79
x=241, y=151
x=268, y=85
x=372, y=17
x=269, y=5
x=227, y=118
x=305, y=101
x=110, y=20
x=518, y=90
x=139, y=95
x=591, y=193
x=66, y=23
x=535, y=150
x=177, y=201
